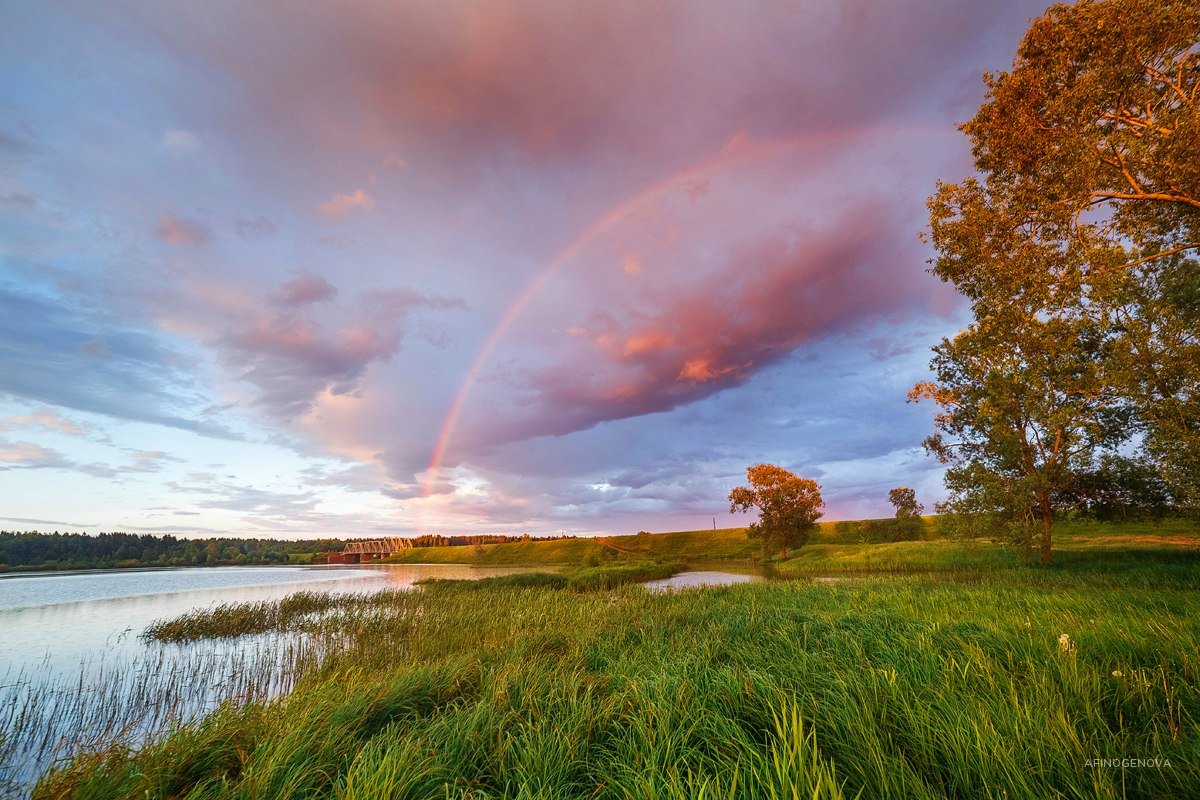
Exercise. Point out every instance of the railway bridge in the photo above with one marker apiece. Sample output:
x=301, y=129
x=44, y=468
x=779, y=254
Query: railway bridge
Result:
x=370, y=550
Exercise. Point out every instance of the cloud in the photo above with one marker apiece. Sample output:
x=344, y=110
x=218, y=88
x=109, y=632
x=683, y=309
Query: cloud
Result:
x=826, y=411
x=17, y=145
x=792, y=287
x=631, y=263
x=43, y=418
x=178, y=231
x=632, y=87
x=262, y=504
x=697, y=188
x=525, y=126
x=256, y=227
x=149, y=461
x=29, y=455
x=304, y=289
x=292, y=358
x=181, y=141
x=287, y=505
x=76, y=357
x=56, y=523
x=340, y=205
x=18, y=200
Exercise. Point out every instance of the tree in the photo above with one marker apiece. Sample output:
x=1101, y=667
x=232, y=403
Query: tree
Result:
x=789, y=506
x=908, y=513
x=1024, y=411
x=1154, y=312
x=1124, y=488
x=1095, y=131
x=1086, y=204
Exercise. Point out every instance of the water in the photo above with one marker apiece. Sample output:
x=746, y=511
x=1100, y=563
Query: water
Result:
x=686, y=580
x=71, y=656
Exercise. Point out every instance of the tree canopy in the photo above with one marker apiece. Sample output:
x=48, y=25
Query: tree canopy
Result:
x=1024, y=411
x=1083, y=219
x=908, y=512
x=789, y=506
x=1090, y=140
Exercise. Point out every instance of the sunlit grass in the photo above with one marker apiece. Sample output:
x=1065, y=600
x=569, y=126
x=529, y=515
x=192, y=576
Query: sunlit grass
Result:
x=899, y=687
x=832, y=546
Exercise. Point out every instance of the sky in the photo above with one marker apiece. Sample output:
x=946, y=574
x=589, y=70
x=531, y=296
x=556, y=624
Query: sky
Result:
x=325, y=268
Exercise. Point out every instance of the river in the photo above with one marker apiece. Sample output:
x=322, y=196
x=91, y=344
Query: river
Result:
x=71, y=657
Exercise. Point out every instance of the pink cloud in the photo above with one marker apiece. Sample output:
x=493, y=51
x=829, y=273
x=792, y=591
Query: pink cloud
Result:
x=304, y=289
x=785, y=289
x=631, y=264
x=647, y=341
x=43, y=418
x=340, y=205
x=697, y=188
x=28, y=454
x=703, y=369
x=179, y=231
x=628, y=88
x=293, y=358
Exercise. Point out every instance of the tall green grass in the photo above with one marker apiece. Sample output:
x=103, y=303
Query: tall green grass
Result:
x=301, y=611
x=897, y=687
x=318, y=613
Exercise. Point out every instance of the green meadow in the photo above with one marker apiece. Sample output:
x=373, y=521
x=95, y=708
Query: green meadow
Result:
x=924, y=669
x=833, y=546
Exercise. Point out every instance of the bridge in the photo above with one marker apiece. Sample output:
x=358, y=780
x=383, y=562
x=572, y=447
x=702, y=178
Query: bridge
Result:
x=357, y=552
x=378, y=547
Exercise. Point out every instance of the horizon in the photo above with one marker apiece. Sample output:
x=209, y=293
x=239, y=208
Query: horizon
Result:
x=282, y=272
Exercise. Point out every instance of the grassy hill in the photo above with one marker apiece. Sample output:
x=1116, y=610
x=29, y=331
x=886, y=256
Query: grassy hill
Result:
x=834, y=546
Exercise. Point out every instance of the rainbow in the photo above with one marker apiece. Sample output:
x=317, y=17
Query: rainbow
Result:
x=744, y=153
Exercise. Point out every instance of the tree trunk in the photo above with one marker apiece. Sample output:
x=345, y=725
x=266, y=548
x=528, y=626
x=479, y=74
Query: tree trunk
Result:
x=1047, y=524
x=783, y=551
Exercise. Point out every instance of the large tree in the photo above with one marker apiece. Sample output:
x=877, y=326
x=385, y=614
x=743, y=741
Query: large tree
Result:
x=1095, y=130
x=1086, y=203
x=1024, y=413
x=789, y=506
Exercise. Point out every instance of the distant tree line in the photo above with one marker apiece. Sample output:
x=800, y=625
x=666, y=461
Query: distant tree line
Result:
x=439, y=540
x=34, y=550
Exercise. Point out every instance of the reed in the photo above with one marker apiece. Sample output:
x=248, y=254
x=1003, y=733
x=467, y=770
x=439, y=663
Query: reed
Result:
x=296, y=612
x=115, y=704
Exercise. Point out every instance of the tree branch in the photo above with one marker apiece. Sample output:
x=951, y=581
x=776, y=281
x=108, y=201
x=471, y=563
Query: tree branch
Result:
x=1160, y=196
x=1181, y=248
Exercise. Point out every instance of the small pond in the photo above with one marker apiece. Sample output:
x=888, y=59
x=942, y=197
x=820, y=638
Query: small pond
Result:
x=689, y=580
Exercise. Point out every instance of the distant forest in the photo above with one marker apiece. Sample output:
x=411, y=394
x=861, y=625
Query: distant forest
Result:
x=21, y=551
x=35, y=550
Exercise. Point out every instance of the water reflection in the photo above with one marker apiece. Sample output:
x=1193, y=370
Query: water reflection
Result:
x=686, y=580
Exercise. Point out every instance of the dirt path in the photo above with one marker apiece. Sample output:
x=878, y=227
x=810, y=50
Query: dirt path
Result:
x=607, y=543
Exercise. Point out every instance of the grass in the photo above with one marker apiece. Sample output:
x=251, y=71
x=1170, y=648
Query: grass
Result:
x=935, y=669
x=832, y=547
x=315, y=612
x=905, y=686
x=301, y=611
